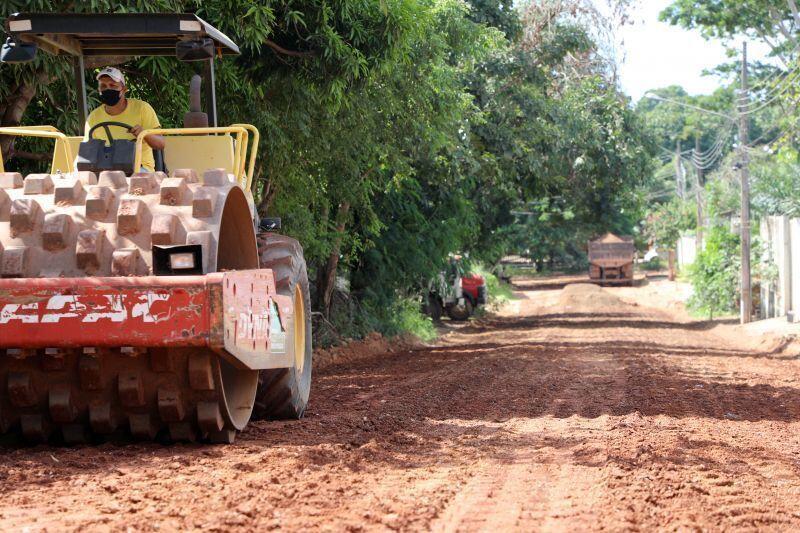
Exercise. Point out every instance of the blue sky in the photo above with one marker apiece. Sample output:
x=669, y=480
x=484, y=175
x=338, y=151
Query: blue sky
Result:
x=656, y=54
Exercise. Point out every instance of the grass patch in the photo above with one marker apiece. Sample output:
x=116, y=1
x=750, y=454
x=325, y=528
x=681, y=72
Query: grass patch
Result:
x=498, y=292
x=404, y=316
x=352, y=319
x=512, y=270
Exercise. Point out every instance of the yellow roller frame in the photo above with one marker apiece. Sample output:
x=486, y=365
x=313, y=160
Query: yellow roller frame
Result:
x=253, y=153
x=48, y=132
x=243, y=175
x=244, y=167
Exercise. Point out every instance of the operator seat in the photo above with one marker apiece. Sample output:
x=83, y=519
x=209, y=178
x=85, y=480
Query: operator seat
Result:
x=194, y=118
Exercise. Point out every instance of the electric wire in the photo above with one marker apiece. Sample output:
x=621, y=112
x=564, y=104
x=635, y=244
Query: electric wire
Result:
x=792, y=73
x=721, y=139
x=709, y=163
x=715, y=148
x=707, y=159
x=711, y=157
x=766, y=104
x=774, y=77
x=778, y=71
x=786, y=84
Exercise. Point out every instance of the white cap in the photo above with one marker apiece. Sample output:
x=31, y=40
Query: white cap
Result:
x=113, y=73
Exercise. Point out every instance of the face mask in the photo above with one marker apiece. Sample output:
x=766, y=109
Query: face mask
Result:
x=110, y=97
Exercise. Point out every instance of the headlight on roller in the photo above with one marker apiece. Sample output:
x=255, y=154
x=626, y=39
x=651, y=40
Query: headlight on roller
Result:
x=182, y=261
x=179, y=260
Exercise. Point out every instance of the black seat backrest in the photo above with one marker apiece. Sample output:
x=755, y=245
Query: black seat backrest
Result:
x=161, y=164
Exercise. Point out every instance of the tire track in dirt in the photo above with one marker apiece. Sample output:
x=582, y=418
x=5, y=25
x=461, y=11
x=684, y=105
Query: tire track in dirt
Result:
x=543, y=487
x=702, y=469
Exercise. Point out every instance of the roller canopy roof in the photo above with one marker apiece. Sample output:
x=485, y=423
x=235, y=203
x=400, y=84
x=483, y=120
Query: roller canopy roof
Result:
x=114, y=34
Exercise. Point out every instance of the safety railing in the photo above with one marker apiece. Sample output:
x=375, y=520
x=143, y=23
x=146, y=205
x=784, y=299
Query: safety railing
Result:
x=48, y=132
x=243, y=166
x=253, y=153
x=242, y=177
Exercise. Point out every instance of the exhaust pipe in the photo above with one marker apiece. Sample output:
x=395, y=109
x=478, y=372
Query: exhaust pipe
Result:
x=195, y=118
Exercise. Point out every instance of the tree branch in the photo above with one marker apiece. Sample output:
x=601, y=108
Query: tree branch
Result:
x=795, y=13
x=773, y=46
x=31, y=156
x=776, y=19
x=293, y=53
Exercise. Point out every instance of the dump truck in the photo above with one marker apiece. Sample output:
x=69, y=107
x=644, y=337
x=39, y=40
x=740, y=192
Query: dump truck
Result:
x=611, y=259
x=144, y=305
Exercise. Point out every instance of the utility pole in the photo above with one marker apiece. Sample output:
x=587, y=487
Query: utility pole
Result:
x=746, y=308
x=698, y=184
x=680, y=192
x=679, y=171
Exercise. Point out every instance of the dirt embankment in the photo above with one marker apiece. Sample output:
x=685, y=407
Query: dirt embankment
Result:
x=570, y=410
x=350, y=350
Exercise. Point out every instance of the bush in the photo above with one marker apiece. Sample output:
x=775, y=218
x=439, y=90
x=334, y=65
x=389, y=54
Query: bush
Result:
x=715, y=274
x=355, y=319
x=654, y=264
x=405, y=316
x=666, y=222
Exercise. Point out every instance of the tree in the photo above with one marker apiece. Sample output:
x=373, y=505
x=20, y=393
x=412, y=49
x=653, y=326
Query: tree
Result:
x=775, y=22
x=399, y=131
x=715, y=274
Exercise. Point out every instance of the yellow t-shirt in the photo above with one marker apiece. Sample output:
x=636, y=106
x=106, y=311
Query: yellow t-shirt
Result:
x=137, y=113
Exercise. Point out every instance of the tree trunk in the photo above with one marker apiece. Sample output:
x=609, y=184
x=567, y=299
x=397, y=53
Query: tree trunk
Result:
x=268, y=192
x=31, y=156
x=5, y=142
x=17, y=104
x=326, y=280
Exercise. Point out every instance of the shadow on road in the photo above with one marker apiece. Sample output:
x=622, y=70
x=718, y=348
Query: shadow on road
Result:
x=590, y=321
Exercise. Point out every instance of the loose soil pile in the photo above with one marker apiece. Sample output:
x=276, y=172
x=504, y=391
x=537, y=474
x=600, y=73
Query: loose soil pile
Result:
x=589, y=298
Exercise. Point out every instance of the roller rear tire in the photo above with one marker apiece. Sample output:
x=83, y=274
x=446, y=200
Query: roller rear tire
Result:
x=283, y=393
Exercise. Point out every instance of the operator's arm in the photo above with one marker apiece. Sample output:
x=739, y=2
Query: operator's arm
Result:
x=150, y=122
x=156, y=142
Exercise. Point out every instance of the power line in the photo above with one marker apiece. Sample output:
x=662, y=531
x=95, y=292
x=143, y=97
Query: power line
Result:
x=776, y=88
x=764, y=105
x=707, y=159
x=713, y=151
x=772, y=77
x=696, y=108
x=711, y=158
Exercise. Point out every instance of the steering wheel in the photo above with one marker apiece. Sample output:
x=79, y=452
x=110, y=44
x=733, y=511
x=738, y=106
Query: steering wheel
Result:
x=105, y=126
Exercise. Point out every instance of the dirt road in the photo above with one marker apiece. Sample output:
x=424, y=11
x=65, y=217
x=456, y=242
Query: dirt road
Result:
x=571, y=410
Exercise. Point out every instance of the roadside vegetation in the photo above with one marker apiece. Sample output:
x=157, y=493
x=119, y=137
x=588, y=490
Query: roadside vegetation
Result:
x=395, y=133
x=701, y=152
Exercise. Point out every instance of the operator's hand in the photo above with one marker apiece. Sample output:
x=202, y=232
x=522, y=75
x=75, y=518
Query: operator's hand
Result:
x=136, y=130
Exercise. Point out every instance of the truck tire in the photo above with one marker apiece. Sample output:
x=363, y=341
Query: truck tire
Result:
x=283, y=393
x=434, y=307
x=460, y=313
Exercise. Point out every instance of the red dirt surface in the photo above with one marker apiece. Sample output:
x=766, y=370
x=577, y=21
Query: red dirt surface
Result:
x=556, y=414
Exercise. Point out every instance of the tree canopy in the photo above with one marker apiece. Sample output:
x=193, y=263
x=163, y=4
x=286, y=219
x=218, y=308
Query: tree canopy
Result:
x=396, y=132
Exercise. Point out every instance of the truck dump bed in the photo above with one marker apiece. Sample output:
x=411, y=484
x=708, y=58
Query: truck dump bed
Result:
x=611, y=259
